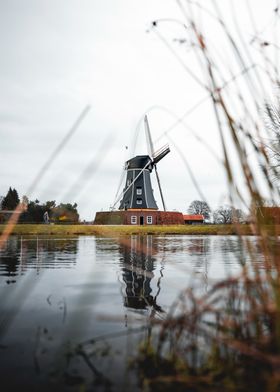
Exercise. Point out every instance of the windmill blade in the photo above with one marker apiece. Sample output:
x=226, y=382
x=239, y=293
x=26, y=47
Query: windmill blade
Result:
x=159, y=154
x=159, y=187
x=156, y=156
x=119, y=187
x=150, y=145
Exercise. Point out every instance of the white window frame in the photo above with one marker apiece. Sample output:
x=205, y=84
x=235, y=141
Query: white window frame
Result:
x=149, y=220
x=133, y=219
x=139, y=201
x=139, y=191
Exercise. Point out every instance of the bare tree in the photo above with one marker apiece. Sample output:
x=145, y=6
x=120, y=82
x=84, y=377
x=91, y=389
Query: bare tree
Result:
x=223, y=215
x=198, y=207
x=238, y=216
x=228, y=214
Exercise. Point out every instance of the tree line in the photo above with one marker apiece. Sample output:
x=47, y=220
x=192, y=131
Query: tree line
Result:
x=228, y=214
x=222, y=215
x=36, y=212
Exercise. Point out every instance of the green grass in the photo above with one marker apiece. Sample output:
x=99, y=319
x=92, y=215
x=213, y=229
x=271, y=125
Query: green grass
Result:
x=41, y=229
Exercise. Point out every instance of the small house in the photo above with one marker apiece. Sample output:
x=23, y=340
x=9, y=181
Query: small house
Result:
x=193, y=219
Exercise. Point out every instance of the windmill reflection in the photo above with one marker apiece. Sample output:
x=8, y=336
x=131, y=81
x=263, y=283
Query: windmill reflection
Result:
x=138, y=265
x=20, y=255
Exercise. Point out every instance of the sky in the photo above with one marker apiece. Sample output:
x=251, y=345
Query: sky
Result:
x=59, y=57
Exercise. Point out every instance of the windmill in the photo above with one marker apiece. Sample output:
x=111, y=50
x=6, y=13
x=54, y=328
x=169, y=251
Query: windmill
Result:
x=138, y=192
x=137, y=205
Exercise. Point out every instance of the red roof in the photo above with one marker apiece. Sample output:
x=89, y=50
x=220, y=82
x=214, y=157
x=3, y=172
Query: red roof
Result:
x=194, y=217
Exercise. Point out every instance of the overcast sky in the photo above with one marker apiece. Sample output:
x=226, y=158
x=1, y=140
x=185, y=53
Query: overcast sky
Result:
x=59, y=56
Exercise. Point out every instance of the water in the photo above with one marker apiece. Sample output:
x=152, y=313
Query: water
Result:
x=73, y=310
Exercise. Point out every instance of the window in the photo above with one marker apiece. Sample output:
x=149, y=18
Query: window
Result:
x=138, y=201
x=139, y=190
x=133, y=220
x=149, y=220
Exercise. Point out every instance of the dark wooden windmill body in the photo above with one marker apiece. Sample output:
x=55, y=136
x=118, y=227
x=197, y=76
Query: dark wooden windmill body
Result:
x=138, y=192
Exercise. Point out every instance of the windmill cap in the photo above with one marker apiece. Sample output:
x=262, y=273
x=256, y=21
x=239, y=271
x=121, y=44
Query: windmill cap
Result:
x=138, y=162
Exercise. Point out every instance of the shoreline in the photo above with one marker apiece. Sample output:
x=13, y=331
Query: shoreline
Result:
x=43, y=229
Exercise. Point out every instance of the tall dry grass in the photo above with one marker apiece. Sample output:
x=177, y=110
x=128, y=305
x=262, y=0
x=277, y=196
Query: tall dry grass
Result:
x=229, y=338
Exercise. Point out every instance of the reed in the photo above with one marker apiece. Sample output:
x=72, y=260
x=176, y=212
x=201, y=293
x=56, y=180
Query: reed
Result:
x=229, y=338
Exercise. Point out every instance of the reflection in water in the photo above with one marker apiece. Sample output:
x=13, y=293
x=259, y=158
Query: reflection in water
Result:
x=20, y=255
x=9, y=261
x=199, y=248
x=77, y=299
x=137, y=269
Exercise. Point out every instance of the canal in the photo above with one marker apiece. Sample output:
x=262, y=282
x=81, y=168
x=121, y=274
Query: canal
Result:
x=74, y=310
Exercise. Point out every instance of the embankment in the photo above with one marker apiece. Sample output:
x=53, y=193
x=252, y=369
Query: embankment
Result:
x=61, y=230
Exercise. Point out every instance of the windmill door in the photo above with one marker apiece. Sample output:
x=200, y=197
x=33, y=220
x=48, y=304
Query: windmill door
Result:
x=141, y=220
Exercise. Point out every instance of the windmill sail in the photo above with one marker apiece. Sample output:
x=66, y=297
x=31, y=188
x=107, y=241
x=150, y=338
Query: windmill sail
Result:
x=138, y=192
x=159, y=154
x=150, y=145
x=156, y=156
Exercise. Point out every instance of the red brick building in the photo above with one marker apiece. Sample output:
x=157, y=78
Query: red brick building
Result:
x=139, y=217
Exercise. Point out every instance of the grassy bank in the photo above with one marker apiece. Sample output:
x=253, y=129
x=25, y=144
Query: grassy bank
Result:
x=60, y=230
